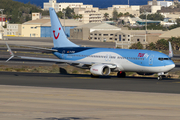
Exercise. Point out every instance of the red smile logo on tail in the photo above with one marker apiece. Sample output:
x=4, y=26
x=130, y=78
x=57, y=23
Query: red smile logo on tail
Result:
x=56, y=37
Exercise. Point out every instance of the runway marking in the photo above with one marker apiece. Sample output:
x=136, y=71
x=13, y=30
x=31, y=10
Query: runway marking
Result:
x=177, y=82
x=83, y=77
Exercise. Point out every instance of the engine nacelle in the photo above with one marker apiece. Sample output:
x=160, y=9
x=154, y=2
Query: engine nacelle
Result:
x=100, y=69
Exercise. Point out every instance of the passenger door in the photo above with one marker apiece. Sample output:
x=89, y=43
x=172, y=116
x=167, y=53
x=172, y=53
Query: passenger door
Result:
x=151, y=60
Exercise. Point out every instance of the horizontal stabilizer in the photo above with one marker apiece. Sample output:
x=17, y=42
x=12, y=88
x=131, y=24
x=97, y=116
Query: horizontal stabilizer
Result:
x=10, y=51
x=39, y=48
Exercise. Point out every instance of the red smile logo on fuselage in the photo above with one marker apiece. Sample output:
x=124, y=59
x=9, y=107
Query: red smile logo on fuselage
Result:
x=56, y=37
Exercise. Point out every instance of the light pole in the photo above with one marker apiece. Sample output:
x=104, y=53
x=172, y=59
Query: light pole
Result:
x=146, y=25
x=2, y=16
x=2, y=22
x=146, y=21
x=64, y=12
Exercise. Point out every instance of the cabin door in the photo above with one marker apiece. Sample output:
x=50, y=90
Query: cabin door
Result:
x=63, y=54
x=151, y=60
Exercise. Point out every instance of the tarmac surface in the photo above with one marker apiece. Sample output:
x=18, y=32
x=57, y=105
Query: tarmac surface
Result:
x=45, y=103
x=79, y=81
x=45, y=96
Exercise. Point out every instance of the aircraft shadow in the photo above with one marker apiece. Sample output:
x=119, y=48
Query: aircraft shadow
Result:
x=64, y=73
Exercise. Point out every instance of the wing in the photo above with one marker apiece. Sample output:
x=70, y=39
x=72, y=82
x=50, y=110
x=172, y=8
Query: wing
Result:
x=112, y=66
x=45, y=59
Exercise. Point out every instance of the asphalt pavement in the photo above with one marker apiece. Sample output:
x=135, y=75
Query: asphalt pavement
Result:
x=76, y=81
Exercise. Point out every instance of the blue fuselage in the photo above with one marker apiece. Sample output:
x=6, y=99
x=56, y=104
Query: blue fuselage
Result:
x=126, y=59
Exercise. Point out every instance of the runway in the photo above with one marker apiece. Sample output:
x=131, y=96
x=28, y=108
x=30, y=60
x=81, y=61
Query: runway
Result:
x=38, y=96
x=47, y=96
x=75, y=81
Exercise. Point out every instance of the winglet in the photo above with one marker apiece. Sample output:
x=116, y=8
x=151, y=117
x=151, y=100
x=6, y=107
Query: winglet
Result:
x=10, y=51
x=170, y=50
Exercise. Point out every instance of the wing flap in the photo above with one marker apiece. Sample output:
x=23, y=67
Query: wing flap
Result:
x=54, y=60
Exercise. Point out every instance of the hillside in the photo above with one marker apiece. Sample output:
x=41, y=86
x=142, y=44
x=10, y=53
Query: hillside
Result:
x=18, y=12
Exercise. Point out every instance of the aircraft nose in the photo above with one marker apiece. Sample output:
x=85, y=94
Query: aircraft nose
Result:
x=171, y=66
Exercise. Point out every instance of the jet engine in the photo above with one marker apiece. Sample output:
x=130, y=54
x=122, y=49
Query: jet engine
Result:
x=100, y=69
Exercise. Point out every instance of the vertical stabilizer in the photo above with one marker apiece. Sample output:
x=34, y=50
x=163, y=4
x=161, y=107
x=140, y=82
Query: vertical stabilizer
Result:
x=59, y=37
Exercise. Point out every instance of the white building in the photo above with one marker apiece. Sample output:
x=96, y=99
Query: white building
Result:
x=60, y=6
x=1, y=32
x=13, y=30
x=90, y=15
x=134, y=10
x=155, y=8
x=36, y=16
x=162, y=3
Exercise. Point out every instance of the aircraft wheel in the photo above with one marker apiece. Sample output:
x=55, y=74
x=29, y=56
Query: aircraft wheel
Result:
x=121, y=74
x=159, y=77
x=94, y=76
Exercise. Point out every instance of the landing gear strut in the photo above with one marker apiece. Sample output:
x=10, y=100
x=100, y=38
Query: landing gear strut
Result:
x=160, y=77
x=121, y=74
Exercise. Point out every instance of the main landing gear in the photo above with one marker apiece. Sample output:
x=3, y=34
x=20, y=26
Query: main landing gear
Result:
x=159, y=77
x=121, y=74
x=94, y=76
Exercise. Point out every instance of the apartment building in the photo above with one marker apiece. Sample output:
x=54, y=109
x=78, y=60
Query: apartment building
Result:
x=134, y=10
x=60, y=6
x=90, y=15
x=13, y=30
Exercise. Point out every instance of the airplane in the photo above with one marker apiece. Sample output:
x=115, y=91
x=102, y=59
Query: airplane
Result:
x=103, y=61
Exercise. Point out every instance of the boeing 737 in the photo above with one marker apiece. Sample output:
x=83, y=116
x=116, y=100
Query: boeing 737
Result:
x=103, y=61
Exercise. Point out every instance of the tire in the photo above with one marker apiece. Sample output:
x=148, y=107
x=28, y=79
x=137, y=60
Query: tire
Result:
x=121, y=74
x=94, y=76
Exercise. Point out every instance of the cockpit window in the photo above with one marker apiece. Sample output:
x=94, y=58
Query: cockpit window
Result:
x=161, y=59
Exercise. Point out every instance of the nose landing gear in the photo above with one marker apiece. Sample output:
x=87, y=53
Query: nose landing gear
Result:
x=161, y=75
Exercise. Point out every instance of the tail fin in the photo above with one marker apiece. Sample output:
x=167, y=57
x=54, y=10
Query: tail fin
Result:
x=59, y=37
x=170, y=50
